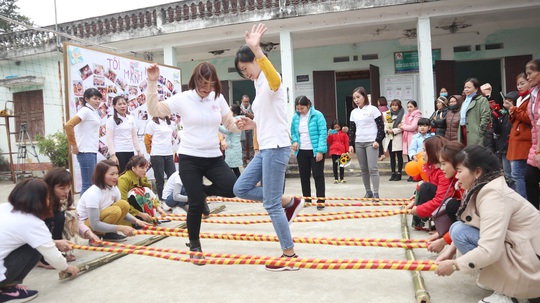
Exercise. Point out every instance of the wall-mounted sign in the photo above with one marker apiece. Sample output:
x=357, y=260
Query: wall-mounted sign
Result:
x=302, y=78
x=407, y=62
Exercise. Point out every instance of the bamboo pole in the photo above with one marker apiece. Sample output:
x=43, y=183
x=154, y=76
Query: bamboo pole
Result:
x=421, y=294
x=96, y=263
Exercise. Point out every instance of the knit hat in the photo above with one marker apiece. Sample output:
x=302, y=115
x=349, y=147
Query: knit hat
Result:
x=513, y=95
x=443, y=100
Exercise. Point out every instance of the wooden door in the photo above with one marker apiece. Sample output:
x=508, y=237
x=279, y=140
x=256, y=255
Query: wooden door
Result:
x=28, y=108
x=513, y=66
x=324, y=94
x=374, y=84
x=445, y=76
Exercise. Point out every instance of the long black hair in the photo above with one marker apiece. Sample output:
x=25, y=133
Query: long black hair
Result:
x=475, y=157
x=115, y=100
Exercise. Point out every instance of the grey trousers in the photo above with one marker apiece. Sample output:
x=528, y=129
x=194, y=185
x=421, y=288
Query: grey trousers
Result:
x=368, y=158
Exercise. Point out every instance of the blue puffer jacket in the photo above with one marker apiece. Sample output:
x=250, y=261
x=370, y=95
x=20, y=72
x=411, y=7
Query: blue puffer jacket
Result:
x=317, y=131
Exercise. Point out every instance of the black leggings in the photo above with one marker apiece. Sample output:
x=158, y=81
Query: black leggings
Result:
x=123, y=159
x=192, y=170
x=335, y=166
x=18, y=264
x=393, y=155
x=532, y=178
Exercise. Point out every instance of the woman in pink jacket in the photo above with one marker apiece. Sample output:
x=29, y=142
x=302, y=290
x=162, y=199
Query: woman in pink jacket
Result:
x=409, y=126
x=532, y=173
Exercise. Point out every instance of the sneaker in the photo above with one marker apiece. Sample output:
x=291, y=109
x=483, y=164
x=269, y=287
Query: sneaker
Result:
x=17, y=293
x=369, y=194
x=113, y=237
x=375, y=197
x=410, y=179
x=292, y=211
x=320, y=207
x=336, y=181
x=165, y=206
x=496, y=298
x=282, y=268
x=343, y=181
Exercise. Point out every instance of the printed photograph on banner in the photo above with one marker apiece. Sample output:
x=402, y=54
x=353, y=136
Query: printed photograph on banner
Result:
x=78, y=88
x=98, y=69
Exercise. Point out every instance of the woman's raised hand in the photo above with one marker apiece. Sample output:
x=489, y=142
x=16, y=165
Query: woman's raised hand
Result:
x=152, y=72
x=253, y=39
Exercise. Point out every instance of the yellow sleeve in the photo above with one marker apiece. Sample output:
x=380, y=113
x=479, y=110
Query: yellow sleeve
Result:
x=148, y=142
x=272, y=76
x=70, y=130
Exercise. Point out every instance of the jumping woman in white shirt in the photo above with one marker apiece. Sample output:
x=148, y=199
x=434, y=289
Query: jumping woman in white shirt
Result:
x=202, y=109
x=269, y=165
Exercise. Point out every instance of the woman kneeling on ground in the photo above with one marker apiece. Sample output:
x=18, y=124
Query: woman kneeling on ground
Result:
x=498, y=231
x=24, y=238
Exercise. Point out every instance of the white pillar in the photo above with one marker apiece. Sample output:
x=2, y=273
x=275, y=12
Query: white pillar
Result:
x=426, y=85
x=287, y=70
x=169, y=56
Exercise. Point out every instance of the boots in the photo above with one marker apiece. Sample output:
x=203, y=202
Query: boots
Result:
x=195, y=246
x=398, y=177
x=393, y=178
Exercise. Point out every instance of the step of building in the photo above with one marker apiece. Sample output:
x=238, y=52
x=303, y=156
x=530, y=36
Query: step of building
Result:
x=352, y=169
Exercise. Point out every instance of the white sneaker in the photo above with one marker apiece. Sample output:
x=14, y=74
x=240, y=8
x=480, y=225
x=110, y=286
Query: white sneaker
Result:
x=496, y=298
x=165, y=206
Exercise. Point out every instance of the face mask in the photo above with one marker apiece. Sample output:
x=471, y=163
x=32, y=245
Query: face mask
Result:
x=444, y=95
x=453, y=107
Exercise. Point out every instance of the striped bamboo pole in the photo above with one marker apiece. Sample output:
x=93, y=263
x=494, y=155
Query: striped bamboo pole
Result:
x=266, y=238
x=381, y=214
x=253, y=260
x=395, y=201
x=338, y=239
x=263, y=214
x=421, y=294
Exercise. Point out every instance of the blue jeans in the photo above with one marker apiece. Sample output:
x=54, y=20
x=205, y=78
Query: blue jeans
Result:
x=269, y=166
x=518, y=174
x=87, y=163
x=173, y=203
x=464, y=236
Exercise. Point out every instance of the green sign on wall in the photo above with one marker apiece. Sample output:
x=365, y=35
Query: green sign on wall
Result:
x=407, y=62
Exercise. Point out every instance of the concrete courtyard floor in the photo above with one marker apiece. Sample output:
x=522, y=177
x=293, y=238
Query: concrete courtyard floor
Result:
x=147, y=279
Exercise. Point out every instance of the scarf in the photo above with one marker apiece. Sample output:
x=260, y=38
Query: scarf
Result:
x=525, y=93
x=477, y=186
x=399, y=116
x=465, y=107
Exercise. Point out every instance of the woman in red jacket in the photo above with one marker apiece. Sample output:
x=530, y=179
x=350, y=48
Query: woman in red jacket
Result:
x=520, y=139
x=338, y=142
x=430, y=194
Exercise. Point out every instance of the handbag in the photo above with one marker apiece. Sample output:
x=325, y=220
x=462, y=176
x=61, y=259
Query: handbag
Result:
x=71, y=225
x=441, y=220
